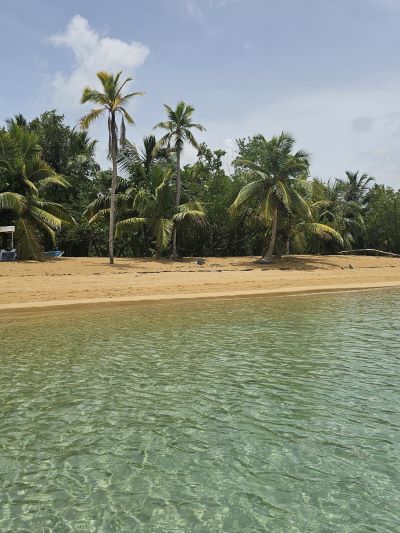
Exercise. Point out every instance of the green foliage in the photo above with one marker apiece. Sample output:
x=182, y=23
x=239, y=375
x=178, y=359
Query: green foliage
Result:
x=112, y=103
x=382, y=219
x=52, y=189
x=277, y=179
x=179, y=128
x=25, y=180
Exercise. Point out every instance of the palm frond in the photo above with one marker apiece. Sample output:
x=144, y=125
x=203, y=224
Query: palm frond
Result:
x=93, y=115
x=129, y=225
x=100, y=203
x=58, y=210
x=298, y=204
x=93, y=95
x=27, y=239
x=99, y=215
x=322, y=231
x=55, y=179
x=163, y=231
x=12, y=201
x=192, y=213
x=251, y=192
x=47, y=218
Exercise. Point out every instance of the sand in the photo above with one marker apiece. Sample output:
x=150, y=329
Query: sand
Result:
x=65, y=282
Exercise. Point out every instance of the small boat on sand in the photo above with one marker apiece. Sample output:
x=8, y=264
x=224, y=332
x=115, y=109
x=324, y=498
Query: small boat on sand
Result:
x=53, y=253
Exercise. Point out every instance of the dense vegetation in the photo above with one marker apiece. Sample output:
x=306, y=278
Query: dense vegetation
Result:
x=54, y=191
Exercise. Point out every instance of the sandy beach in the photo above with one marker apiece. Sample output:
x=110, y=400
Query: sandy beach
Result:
x=92, y=281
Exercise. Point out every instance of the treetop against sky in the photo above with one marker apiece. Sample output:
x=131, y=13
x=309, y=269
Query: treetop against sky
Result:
x=325, y=71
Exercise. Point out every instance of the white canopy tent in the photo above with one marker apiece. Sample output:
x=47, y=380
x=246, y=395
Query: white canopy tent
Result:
x=9, y=229
x=9, y=255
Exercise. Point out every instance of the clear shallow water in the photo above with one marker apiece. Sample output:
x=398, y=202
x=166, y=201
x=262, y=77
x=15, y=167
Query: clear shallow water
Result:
x=239, y=415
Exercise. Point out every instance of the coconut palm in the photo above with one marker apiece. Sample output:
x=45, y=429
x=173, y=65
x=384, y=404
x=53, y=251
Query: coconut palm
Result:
x=155, y=208
x=16, y=120
x=136, y=162
x=276, y=188
x=178, y=126
x=301, y=228
x=302, y=232
x=355, y=187
x=150, y=205
x=112, y=102
x=332, y=207
x=24, y=180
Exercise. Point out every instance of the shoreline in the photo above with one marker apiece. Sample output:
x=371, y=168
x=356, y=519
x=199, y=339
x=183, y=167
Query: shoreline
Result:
x=131, y=300
x=72, y=283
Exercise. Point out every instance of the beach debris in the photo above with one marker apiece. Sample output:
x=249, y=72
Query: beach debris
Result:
x=200, y=261
x=368, y=251
x=351, y=267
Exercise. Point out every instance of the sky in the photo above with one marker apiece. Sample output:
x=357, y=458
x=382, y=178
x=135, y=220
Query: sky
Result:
x=327, y=71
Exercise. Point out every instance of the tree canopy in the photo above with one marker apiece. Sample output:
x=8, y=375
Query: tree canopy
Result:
x=263, y=203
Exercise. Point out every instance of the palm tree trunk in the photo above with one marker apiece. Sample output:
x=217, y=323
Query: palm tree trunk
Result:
x=177, y=201
x=271, y=247
x=287, y=241
x=114, y=149
x=287, y=246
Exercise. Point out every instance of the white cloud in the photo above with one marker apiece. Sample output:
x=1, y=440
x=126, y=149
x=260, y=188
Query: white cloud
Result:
x=353, y=129
x=92, y=53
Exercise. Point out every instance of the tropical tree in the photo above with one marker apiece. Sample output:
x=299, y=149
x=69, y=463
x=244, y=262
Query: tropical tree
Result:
x=382, y=219
x=136, y=162
x=153, y=207
x=331, y=206
x=275, y=189
x=16, y=120
x=178, y=126
x=355, y=187
x=112, y=102
x=25, y=179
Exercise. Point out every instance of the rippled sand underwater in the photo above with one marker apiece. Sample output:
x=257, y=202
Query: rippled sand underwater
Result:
x=264, y=414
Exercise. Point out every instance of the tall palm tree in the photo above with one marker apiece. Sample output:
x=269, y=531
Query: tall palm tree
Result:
x=178, y=126
x=275, y=189
x=112, y=102
x=24, y=180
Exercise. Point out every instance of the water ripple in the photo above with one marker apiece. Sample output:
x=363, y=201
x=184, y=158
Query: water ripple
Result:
x=275, y=414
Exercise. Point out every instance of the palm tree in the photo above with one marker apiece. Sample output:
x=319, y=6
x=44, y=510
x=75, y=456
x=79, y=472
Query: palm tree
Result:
x=301, y=228
x=275, y=188
x=17, y=120
x=24, y=180
x=332, y=207
x=149, y=205
x=155, y=208
x=355, y=187
x=302, y=232
x=136, y=162
x=178, y=126
x=112, y=102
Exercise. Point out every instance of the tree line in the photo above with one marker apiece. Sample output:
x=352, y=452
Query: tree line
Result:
x=55, y=193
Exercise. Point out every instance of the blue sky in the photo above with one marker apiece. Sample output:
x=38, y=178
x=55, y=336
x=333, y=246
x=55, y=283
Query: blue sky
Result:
x=328, y=71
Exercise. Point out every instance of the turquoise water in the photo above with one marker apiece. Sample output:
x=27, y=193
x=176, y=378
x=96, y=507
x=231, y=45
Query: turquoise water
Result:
x=279, y=414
